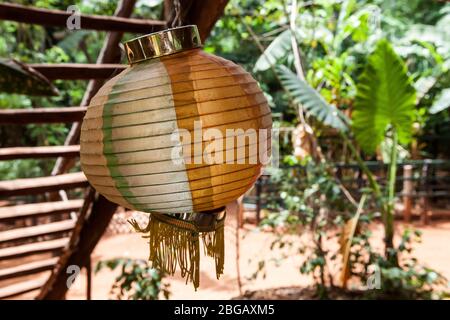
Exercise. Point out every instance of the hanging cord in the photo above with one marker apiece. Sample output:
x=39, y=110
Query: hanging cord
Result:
x=177, y=21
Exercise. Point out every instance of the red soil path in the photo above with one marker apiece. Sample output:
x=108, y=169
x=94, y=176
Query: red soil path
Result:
x=434, y=251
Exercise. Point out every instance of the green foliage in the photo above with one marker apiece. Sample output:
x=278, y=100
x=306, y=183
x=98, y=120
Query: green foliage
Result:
x=137, y=280
x=27, y=168
x=276, y=50
x=311, y=201
x=317, y=205
x=442, y=102
x=312, y=102
x=340, y=42
x=409, y=279
x=385, y=99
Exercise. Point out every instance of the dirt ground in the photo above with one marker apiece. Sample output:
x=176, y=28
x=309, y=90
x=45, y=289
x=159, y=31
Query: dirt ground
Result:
x=434, y=252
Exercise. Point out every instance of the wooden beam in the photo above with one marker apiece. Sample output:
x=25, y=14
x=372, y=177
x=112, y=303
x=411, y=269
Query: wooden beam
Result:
x=42, y=184
x=22, y=287
x=39, y=152
x=110, y=53
x=58, y=18
x=205, y=15
x=42, y=115
x=33, y=248
x=89, y=235
x=77, y=71
x=39, y=209
x=202, y=13
x=39, y=230
x=27, y=268
x=73, y=241
x=89, y=280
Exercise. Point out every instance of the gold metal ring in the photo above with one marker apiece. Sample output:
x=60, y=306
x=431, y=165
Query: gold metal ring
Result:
x=162, y=43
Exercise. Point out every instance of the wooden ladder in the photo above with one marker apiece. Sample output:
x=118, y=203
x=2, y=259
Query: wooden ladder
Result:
x=32, y=235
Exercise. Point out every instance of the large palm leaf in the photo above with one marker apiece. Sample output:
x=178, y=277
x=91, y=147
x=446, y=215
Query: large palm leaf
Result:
x=276, y=50
x=385, y=98
x=311, y=100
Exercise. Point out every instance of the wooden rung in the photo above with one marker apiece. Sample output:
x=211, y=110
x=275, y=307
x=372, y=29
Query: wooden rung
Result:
x=77, y=71
x=58, y=18
x=39, y=152
x=39, y=209
x=43, y=184
x=33, y=248
x=42, y=115
x=40, y=230
x=27, y=268
x=22, y=287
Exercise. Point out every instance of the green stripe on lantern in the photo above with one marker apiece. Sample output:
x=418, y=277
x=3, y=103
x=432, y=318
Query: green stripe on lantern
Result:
x=121, y=182
x=111, y=160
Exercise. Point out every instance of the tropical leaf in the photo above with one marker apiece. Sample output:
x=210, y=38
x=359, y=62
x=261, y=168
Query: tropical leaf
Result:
x=385, y=98
x=423, y=85
x=386, y=151
x=442, y=102
x=276, y=50
x=311, y=100
x=72, y=39
x=438, y=34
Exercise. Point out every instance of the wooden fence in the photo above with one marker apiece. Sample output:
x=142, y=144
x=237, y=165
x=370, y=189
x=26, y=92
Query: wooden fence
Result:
x=423, y=182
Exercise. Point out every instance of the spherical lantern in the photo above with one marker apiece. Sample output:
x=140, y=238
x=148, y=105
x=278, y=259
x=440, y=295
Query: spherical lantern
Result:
x=151, y=137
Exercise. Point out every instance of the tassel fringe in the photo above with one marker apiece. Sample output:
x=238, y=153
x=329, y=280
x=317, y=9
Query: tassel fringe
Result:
x=173, y=242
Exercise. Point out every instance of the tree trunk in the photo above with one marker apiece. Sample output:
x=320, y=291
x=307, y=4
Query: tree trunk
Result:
x=390, y=212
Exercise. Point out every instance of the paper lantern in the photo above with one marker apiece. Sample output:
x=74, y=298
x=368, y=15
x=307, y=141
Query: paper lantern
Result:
x=134, y=149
